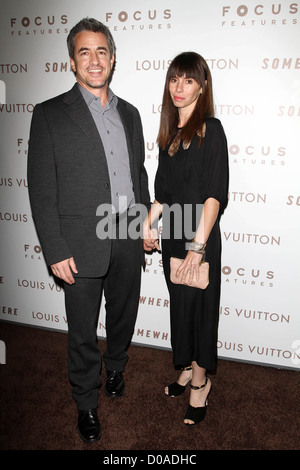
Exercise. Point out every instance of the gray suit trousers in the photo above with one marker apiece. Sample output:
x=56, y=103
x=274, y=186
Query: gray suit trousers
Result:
x=121, y=288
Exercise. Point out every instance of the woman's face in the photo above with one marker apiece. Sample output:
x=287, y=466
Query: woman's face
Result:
x=184, y=92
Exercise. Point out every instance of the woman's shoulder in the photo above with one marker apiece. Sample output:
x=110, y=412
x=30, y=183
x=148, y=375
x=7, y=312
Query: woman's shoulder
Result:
x=214, y=126
x=214, y=123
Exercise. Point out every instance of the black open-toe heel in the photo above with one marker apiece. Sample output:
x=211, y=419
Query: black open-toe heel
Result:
x=196, y=414
x=175, y=389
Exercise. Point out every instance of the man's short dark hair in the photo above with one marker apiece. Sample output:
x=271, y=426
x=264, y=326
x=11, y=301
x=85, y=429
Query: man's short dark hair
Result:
x=90, y=24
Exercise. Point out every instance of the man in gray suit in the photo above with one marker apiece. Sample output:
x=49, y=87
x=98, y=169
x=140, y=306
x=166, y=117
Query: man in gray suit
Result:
x=86, y=150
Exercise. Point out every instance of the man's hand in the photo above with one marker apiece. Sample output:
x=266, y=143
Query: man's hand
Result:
x=64, y=270
x=151, y=241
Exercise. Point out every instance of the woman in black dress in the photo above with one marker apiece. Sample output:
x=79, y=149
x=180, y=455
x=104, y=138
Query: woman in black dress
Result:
x=192, y=175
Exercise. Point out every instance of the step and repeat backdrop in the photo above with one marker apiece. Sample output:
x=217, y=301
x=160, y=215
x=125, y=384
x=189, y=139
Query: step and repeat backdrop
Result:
x=252, y=48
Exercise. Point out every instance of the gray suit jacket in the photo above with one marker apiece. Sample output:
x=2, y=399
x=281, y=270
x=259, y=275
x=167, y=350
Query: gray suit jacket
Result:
x=68, y=179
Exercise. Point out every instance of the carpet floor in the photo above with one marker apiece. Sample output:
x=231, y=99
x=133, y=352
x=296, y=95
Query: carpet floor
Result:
x=251, y=407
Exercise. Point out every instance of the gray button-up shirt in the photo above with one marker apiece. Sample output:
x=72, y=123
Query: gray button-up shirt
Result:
x=110, y=128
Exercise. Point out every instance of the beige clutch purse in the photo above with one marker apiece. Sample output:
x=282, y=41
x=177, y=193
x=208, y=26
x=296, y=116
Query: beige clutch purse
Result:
x=201, y=283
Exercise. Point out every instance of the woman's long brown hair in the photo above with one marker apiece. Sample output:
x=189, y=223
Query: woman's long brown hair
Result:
x=189, y=65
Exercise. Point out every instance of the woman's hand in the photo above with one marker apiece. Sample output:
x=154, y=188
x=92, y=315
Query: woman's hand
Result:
x=190, y=267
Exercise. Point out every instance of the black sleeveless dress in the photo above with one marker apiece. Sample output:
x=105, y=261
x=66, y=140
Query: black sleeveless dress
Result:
x=183, y=182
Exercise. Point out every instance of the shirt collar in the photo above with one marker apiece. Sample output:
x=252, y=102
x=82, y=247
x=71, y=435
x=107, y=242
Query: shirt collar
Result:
x=89, y=97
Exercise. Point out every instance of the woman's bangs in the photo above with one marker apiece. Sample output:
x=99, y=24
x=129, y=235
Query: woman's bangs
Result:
x=185, y=69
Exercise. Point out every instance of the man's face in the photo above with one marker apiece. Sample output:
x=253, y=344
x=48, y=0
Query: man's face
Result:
x=92, y=62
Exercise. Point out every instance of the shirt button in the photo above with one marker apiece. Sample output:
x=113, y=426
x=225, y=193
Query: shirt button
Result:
x=115, y=173
x=117, y=194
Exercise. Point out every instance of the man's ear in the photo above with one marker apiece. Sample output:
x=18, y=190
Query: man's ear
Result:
x=73, y=66
x=112, y=61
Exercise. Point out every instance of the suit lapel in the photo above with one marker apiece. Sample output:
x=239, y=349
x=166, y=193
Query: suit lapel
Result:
x=77, y=109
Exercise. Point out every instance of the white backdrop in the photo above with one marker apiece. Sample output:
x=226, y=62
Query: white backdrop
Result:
x=251, y=48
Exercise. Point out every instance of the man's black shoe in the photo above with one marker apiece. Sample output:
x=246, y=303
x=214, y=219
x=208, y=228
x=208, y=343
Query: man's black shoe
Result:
x=89, y=428
x=114, y=383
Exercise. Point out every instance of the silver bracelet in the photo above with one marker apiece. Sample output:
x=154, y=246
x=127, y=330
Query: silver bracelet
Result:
x=197, y=247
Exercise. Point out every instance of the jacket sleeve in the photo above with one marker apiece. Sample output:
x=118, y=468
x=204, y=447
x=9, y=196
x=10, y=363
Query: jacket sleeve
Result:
x=42, y=185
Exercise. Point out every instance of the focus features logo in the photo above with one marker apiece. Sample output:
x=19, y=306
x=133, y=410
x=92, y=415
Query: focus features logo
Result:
x=257, y=155
x=259, y=14
x=38, y=25
x=248, y=276
x=153, y=266
x=139, y=20
x=22, y=146
x=151, y=151
x=32, y=252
